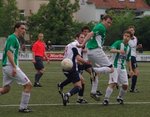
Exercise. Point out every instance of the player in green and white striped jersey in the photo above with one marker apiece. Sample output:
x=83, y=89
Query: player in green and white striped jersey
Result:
x=121, y=53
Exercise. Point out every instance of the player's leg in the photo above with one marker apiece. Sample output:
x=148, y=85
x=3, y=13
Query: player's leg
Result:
x=39, y=66
x=81, y=99
x=113, y=79
x=123, y=79
x=22, y=79
x=136, y=73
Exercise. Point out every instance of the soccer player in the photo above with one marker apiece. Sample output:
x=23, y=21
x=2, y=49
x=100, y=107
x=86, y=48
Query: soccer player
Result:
x=95, y=40
x=72, y=52
x=11, y=70
x=121, y=53
x=39, y=52
x=133, y=44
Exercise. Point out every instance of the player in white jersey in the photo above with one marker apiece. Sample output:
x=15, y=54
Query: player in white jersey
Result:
x=73, y=53
x=133, y=44
x=121, y=53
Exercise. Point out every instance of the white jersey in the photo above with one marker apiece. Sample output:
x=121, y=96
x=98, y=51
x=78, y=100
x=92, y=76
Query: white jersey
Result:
x=133, y=44
x=68, y=49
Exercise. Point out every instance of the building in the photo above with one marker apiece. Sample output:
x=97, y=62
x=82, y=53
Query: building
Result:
x=91, y=10
x=27, y=7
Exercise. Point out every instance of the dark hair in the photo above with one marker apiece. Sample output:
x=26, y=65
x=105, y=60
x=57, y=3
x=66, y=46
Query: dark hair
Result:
x=129, y=32
x=105, y=17
x=131, y=27
x=85, y=28
x=78, y=34
x=18, y=24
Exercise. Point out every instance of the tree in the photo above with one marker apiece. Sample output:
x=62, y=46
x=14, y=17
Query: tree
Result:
x=55, y=20
x=148, y=2
x=121, y=21
x=8, y=16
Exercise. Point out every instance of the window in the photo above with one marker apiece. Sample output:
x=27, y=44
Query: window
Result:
x=131, y=0
x=82, y=2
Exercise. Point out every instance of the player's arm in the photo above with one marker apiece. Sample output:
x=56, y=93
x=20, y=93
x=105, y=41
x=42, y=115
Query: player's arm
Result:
x=88, y=36
x=11, y=60
x=113, y=50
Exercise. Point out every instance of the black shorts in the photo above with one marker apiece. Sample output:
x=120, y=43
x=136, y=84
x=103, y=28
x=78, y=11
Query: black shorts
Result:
x=73, y=76
x=83, y=67
x=134, y=62
x=39, y=63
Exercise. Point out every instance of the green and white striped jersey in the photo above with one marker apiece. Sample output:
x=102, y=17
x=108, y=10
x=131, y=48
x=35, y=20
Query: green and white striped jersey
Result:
x=117, y=59
x=11, y=44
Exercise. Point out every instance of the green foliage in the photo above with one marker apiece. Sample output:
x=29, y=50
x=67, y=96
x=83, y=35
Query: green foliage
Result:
x=121, y=20
x=148, y=2
x=8, y=16
x=143, y=31
x=55, y=20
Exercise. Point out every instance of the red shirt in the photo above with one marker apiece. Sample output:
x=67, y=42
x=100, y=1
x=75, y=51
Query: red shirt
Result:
x=39, y=48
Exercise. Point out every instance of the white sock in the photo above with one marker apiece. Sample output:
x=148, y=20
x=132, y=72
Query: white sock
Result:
x=108, y=92
x=102, y=70
x=24, y=100
x=122, y=92
x=94, y=85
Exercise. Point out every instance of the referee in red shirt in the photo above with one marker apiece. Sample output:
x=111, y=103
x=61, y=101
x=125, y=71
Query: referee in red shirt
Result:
x=38, y=51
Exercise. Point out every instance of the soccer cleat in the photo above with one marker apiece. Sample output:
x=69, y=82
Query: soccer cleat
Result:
x=95, y=96
x=120, y=100
x=105, y=102
x=65, y=99
x=25, y=110
x=134, y=91
x=37, y=84
x=82, y=101
x=60, y=89
x=99, y=93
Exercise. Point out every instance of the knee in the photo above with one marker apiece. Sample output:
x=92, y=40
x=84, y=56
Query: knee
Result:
x=28, y=87
x=125, y=87
x=5, y=90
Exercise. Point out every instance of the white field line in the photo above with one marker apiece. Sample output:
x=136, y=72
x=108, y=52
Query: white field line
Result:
x=60, y=104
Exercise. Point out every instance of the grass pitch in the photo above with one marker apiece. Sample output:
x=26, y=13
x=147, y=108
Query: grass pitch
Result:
x=46, y=102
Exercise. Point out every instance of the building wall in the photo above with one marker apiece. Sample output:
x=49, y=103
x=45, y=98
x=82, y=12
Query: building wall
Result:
x=30, y=5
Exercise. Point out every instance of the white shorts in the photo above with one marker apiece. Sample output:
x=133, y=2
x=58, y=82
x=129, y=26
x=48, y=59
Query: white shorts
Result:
x=20, y=77
x=118, y=76
x=98, y=58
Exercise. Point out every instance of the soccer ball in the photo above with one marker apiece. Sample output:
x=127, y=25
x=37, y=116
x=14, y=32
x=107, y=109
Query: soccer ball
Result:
x=66, y=64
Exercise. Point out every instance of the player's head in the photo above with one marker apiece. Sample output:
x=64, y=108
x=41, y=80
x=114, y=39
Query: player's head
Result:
x=107, y=20
x=80, y=37
x=40, y=36
x=85, y=30
x=126, y=36
x=20, y=29
x=132, y=29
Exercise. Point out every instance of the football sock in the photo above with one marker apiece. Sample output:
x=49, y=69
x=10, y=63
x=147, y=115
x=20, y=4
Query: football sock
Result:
x=94, y=85
x=122, y=92
x=65, y=82
x=133, y=82
x=74, y=90
x=102, y=69
x=38, y=76
x=108, y=92
x=24, y=100
x=81, y=91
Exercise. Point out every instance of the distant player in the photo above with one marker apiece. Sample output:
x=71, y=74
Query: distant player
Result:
x=121, y=53
x=133, y=44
